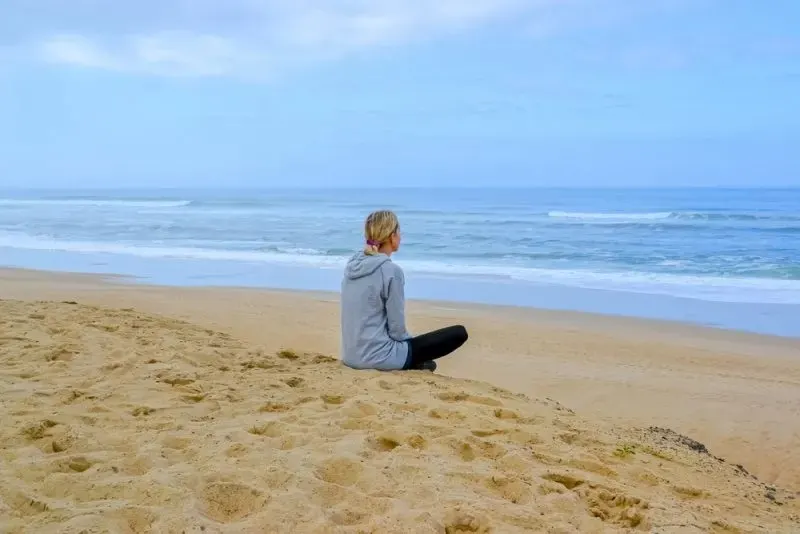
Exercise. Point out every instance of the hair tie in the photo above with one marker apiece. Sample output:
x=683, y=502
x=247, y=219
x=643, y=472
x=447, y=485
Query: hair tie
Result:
x=373, y=243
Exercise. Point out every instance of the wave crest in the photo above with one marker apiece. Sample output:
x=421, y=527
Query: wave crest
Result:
x=611, y=216
x=698, y=216
x=96, y=203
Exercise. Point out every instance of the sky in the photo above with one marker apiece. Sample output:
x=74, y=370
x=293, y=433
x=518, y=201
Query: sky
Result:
x=387, y=93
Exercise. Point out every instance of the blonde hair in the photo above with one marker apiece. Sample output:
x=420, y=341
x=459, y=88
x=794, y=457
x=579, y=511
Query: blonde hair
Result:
x=378, y=228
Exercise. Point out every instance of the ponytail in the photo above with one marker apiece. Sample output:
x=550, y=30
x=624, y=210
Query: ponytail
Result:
x=371, y=248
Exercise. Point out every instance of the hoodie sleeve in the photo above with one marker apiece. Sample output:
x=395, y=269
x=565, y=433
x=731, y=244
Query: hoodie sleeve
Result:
x=394, y=287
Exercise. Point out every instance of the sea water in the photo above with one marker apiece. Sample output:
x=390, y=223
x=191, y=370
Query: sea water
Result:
x=722, y=257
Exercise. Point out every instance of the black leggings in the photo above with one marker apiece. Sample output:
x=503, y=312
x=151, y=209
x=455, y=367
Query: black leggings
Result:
x=435, y=344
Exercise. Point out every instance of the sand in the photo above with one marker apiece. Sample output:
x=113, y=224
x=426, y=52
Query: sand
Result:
x=144, y=409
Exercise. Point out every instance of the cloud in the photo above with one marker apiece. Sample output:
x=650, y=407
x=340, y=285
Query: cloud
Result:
x=162, y=53
x=77, y=50
x=234, y=37
x=258, y=38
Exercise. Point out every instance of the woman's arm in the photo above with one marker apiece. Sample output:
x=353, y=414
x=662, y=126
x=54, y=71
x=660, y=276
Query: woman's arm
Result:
x=396, y=304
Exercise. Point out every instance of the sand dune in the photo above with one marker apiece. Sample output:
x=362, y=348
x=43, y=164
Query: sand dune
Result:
x=738, y=393
x=119, y=421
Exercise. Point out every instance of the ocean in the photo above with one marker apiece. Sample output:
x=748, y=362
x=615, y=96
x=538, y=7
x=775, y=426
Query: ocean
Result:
x=721, y=257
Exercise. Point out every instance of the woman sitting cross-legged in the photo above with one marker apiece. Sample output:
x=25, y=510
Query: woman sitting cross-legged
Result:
x=374, y=334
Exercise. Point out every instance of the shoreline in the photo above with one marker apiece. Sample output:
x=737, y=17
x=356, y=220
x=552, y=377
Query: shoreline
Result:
x=586, y=319
x=736, y=392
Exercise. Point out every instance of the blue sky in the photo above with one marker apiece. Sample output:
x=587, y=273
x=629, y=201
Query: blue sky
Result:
x=399, y=92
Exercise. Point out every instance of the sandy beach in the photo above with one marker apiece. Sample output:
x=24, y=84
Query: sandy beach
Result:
x=133, y=408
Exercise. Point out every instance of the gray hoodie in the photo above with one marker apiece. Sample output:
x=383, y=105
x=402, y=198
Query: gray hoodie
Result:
x=373, y=314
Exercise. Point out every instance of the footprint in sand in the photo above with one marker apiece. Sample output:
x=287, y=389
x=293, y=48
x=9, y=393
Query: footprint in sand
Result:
x=458, y=522
x=568, y=481
x=63, y=353
x=136, y=519
x=36, y=431
x=63, y=438
x=288, y=442
x=273, y=429
x=78, y=464
x=26, y=504
x=488, y=449
x=488, y=432
x=460, y=396
x=177, y=379
x=389, y=441
x=72, y=396
x=347, y=515
x=688, y=492
x=446, y=415
x=502, y=413
x=229, y=502
x=604, y=503
x=614, y=507
x=464, y=450
x=340, y=471
x=274, y=407
x=259, y=364
x=592, y=466
x=321, y=359
x=333, y=399
x=294, y=382
x=510, y=488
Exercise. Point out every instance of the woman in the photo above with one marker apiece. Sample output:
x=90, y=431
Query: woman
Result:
x=374, y=334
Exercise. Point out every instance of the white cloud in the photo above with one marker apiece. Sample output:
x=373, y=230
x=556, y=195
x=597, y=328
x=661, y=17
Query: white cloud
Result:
x=77, y=50
x=164, y=54
x=254, y=38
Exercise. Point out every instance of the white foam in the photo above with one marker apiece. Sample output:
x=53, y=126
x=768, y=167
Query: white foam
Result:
x=22, y=241
x=98, y=203
x=610, y=216
x=710, y=288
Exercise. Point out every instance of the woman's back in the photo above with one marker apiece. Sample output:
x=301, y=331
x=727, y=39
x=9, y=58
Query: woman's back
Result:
x=373, y=313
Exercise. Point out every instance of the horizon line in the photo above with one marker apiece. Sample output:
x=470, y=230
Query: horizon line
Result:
x=390, y=188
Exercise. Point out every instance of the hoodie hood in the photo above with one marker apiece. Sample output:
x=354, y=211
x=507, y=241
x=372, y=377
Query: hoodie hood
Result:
x=361, y=265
